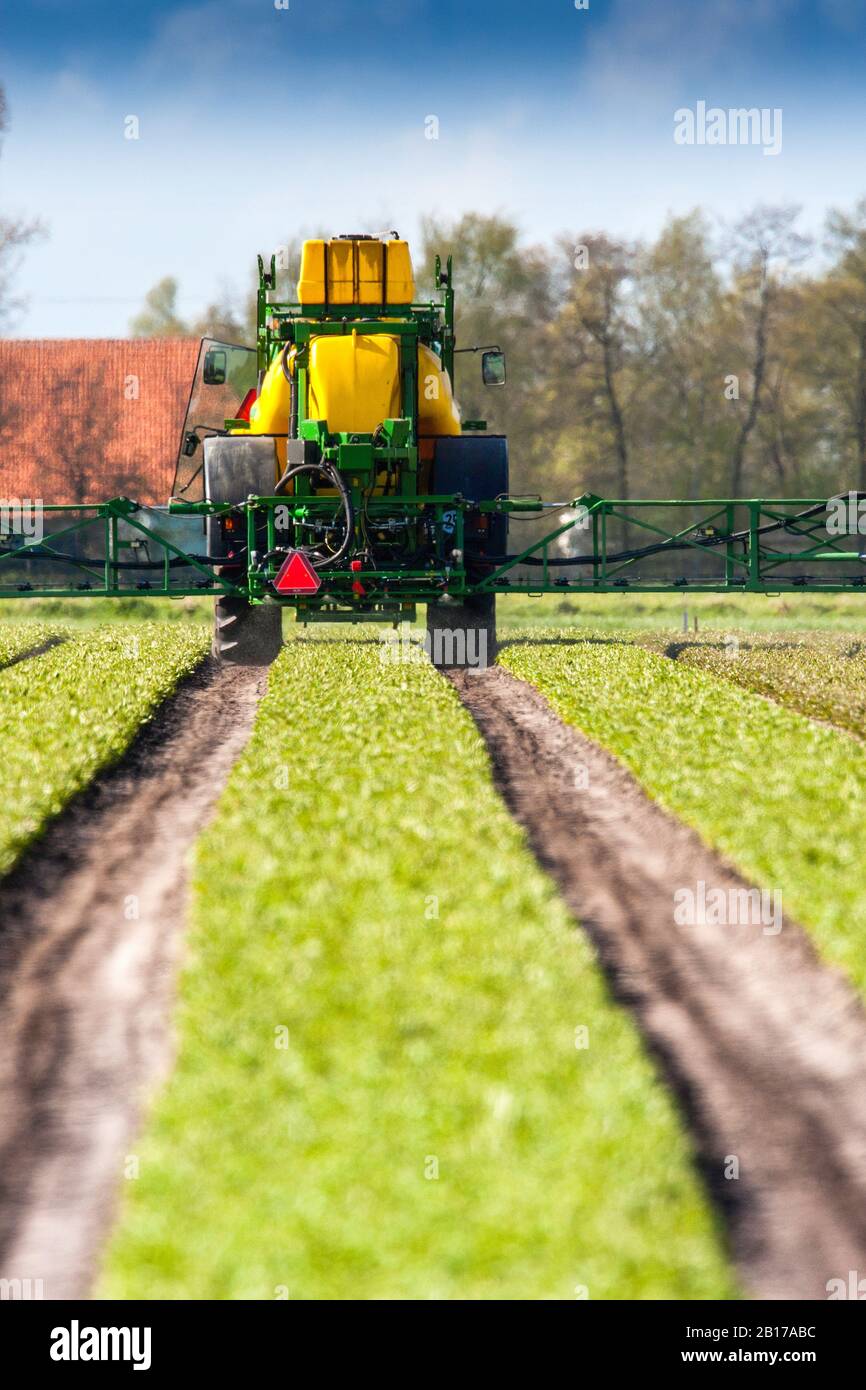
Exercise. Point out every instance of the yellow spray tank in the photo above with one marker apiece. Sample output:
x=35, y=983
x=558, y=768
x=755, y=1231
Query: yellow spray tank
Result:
x=438, y=412
x=270, y=412
x=353, y=379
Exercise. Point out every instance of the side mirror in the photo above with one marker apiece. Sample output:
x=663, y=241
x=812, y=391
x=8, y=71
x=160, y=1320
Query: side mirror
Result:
x=215, y=367
x=190, y=444
x=493, y=368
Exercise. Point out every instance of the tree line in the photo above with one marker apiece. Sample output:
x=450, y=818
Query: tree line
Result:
x=707, y=362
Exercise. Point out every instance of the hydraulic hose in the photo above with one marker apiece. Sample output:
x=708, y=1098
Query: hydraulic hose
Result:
x=292, y=379
x=98, y=561
x=657, y=547
x=333, y=477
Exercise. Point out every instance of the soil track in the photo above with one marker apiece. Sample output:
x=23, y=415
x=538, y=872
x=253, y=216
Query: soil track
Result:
x=764, y=1046
x=87, y=984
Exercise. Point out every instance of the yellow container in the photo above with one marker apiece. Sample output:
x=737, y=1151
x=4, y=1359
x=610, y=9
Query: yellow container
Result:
x=370, y=260
x=354, y=384
x=356, y=272
x=341, y=273
x=311, y=285
x=438, y=412
x=399, y=275
x=270, y=412
x=354, y=381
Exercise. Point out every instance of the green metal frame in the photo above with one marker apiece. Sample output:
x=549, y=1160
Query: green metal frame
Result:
x=725, y=556
x=105, y=577
x=729, y=531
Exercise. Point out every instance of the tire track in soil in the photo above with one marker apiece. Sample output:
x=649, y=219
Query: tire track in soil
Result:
x=87, y=994
x=763, y=1045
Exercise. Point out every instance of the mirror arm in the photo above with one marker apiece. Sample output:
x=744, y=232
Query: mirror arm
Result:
x=491, y=347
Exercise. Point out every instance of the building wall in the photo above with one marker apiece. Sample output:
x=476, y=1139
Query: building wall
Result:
x=86, y=419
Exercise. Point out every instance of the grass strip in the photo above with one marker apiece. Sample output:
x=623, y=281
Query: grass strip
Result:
x=631, y=610
x=87, y=611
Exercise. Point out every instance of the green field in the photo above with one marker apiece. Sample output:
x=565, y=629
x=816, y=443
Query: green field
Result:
x=69, y=713
x=95, y=612
x=429, y=1129
x=17, y=639
x=378, y=1092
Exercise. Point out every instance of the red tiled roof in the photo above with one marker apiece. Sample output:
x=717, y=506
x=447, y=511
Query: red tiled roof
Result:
x=86, y=419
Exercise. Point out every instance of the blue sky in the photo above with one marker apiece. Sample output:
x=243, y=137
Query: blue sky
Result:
x=256, y=122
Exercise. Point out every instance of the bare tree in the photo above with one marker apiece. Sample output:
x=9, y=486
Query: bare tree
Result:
x=16, y=233
x=766, y=246
x=843, y=295
x=598, y=312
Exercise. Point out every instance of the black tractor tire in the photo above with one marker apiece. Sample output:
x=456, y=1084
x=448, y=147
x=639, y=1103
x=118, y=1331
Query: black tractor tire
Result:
x=461, y=633
x=247, y=634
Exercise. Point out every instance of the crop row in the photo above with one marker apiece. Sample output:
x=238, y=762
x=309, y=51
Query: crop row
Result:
x=399, y=1073
x=16, y=639
x=779, y=794
x=69, y=713
x=820, y=674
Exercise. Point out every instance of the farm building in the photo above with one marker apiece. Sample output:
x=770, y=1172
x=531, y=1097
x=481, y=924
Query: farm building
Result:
x=83, y=419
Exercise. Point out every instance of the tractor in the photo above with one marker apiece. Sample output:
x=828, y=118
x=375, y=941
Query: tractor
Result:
x=345, y=412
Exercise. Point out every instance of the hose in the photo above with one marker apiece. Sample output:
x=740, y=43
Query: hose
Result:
x=704, y=542
x=98, y=561
x=292, y=379
x=334, y=478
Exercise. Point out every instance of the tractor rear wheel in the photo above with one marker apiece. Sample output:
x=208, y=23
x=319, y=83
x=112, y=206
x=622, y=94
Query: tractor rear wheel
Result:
x=461, y=633
x=247, y=634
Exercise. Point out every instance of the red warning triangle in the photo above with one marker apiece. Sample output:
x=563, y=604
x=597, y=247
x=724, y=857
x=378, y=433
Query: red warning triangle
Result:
x=297, y=576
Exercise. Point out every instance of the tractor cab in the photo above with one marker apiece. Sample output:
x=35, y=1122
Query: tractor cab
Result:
x=223, y=388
